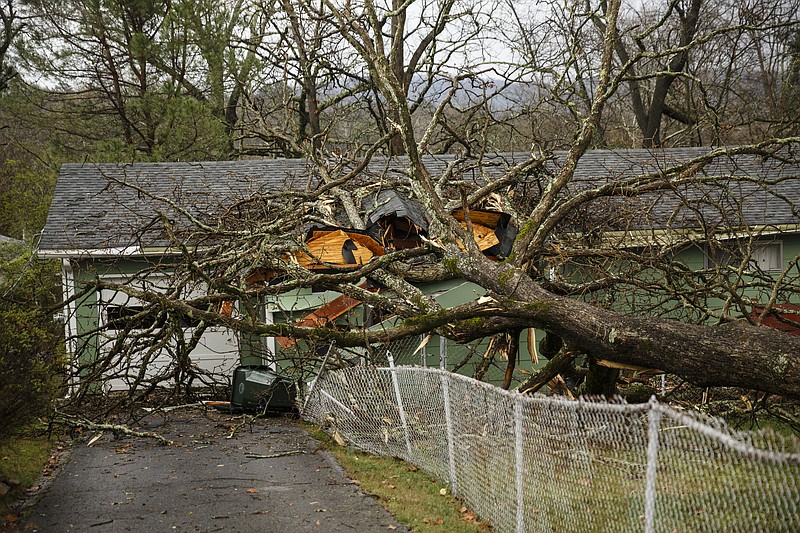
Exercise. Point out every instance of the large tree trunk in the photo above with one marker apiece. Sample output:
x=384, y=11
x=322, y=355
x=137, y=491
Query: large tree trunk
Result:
x=735, y=354
x=397, y=65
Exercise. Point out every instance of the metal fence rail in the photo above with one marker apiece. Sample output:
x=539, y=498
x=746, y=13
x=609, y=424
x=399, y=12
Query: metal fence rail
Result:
x=545, y=464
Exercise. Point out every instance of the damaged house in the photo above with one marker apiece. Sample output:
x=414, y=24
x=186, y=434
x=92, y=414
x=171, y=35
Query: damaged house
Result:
x=115, y=227
x=121, y=231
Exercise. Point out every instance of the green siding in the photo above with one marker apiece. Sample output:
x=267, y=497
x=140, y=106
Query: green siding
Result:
x=291, y=307
x=85, y=272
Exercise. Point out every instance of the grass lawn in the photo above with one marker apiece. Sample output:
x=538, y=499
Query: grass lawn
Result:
x=22, y=460
x=700, y=486
x=414, y=497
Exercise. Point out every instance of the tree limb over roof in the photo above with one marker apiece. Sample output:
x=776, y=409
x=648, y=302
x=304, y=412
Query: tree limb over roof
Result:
x=615, y=229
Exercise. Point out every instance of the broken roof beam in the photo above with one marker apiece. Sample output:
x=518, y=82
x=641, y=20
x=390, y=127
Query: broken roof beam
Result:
x=489, y=229
x=328, y=248
x=324, y=315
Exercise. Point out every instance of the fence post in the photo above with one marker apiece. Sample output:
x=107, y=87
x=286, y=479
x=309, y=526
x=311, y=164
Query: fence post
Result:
x=336, y=402
x=451, y=447
x=316, y=378
x=654, y=422
x=442, y=352
x=400, y=404
x=519, y=458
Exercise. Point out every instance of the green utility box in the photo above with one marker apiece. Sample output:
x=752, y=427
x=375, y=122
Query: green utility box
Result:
x=259, y=388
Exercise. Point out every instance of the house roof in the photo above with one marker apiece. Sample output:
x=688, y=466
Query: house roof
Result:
x=100, y=209
x=743, y=190
x=94, y=209
x=390, y=203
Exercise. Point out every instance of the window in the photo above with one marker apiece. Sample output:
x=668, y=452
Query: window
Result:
x=768, y=257
x=765, y=256
x=121, y=316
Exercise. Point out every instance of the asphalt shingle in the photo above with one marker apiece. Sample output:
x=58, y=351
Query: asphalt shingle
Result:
x=105, y=205
x=94, y=207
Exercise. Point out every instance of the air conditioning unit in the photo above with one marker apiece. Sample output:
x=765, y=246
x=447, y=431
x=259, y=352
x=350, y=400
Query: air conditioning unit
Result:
x=261, y=389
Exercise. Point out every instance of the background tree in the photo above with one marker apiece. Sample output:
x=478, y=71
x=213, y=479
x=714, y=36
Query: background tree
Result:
x=328, y=88
x=141, y=79
x=9, y=29
x=31, y=343
x=669, y=66
x=698, y=73
x=25, y=190
x=28, y=167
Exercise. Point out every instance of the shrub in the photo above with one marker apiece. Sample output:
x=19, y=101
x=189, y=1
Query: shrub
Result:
x=31, y=345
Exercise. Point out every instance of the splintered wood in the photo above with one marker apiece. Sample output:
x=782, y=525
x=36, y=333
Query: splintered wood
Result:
x=483, y=224
x=336, y=248
x=324, y=315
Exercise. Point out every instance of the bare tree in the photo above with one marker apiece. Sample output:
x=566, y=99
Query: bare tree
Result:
x=596, y=260
x=697, y=72
x=331, y=91
x=649, y=116
x=10, y=28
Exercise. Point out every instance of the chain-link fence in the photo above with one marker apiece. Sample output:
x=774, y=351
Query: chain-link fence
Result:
x=545, y=464
x=478, y=358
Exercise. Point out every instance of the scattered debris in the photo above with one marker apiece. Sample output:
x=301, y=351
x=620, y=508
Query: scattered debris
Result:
x=79, y=422
x=172, y=407
x=274, y=455
x=339, y=439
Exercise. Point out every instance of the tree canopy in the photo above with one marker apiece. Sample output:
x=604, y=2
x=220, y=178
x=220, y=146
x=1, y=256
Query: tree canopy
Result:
x=346, y=84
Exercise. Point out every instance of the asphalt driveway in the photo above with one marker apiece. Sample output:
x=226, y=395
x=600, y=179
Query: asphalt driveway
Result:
x=266, y=475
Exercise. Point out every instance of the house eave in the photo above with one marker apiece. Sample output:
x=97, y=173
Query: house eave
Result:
x=673, y=237
x=91, y=253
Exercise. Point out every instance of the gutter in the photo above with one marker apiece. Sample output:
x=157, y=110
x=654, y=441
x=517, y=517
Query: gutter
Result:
x=83, y=253
x=667, y=236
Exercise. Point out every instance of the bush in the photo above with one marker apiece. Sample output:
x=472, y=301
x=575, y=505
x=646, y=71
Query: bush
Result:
x=31, y=344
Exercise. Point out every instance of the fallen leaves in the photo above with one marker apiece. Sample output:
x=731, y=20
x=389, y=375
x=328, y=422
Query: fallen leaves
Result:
x=339, y=439
x=52, y=464
x=468, y=516
x=10, y=521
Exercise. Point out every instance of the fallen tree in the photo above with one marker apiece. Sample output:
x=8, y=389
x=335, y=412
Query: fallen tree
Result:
x=596, y=258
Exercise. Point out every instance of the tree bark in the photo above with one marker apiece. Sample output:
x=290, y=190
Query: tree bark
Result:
x=734, y=354
x=550, y=371
x=600, y=380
